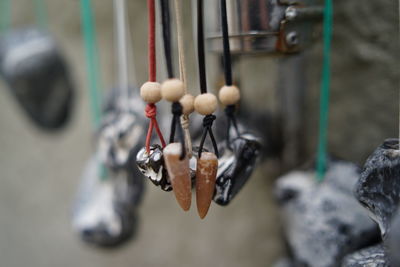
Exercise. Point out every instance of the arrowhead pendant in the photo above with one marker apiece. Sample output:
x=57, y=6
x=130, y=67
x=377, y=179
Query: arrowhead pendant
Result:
x=179, y=174
x=206, y=173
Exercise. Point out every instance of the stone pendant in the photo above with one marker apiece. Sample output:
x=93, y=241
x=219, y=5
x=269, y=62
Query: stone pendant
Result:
x=152, y=166
x=206, y=174
x=378, y=188
x=235, y=167
x=38, y=75
x=179, y=174
x=105, y=210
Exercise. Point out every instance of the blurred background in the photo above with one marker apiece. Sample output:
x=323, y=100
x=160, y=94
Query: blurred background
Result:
x=40, y=171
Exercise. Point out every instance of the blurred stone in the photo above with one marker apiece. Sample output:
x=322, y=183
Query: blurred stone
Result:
x=121, y=133
x=104, y=213
x=34, y=68
x=322, y=221
x=122, y=130
x=235, y=167
x=374, y=256
x=378, y=188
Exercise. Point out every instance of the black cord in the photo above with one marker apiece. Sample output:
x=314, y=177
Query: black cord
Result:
x=176, y=124
x=166, y=29
x=230, y=109
x=200, y=48
x=208, y=119
x=226, y=46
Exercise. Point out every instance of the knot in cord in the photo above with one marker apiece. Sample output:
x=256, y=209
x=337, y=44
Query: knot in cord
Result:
x=207, y=124
x=151, y=111
x=208, y=121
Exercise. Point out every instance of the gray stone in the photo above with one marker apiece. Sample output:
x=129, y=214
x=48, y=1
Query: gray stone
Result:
x=378, y=188
x=374, y=256
x=323, y=222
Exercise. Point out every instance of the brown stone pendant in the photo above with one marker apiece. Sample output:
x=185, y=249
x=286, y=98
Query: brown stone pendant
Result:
x=206, y=173
x=179, y=174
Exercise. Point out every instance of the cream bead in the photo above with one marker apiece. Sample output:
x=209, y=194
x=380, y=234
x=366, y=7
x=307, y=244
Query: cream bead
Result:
x=151, y=92
x=205, y=104
x=172, y=90
x=187, y=102
x=229, y=95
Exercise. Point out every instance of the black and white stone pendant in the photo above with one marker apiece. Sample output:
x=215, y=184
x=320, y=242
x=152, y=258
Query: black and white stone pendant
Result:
x=323, y=221
x=34, y=68
x=120, y=136
x=152, y=166
x=112, y=187
x=375, y=256
x=378, y=188
x=104, y=213
x=235, y=167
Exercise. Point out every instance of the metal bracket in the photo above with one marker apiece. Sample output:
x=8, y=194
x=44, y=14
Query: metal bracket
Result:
x=269, y=26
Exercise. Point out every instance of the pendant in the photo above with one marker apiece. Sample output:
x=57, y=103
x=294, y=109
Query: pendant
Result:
x=378, y=188
x=179, y=173
x=152, y=166
x=119, y=136
x=38, y=76
x=104, y=212
x=206, y=173
x=235, y=167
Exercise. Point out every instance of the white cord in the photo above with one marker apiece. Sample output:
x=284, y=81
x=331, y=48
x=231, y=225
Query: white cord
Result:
x=182, y=72
x=131, y=56
x=122, y=51
x=181, y=42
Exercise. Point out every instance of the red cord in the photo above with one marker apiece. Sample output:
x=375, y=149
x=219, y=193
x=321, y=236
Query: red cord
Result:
x=151, y=112
x=152, y=39
x=151, y=109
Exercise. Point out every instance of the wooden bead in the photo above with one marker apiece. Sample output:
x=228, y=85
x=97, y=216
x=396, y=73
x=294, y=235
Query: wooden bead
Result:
x=187, y=102
x=229, y=95
x=151, y=92
x=172, y=90
x=205, y=104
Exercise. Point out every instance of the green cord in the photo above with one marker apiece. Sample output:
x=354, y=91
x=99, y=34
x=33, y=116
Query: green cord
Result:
x=41, y=14
x=5, y=15
x=324, y=98
x=92, y=65
x=92, y=61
